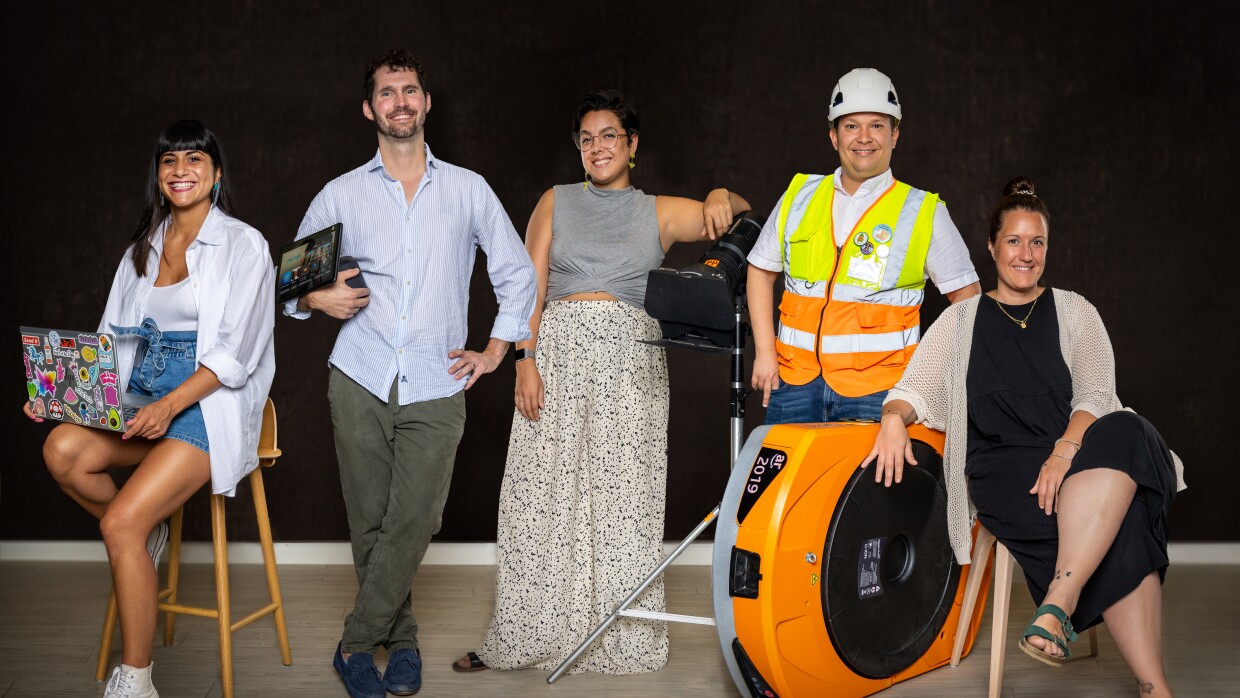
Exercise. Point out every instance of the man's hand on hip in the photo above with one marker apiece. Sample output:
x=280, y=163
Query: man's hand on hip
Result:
x=472, y=364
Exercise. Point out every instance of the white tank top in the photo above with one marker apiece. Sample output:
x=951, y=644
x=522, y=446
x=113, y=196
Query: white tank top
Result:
x=172, y=307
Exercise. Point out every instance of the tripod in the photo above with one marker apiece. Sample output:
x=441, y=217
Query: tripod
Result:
x=696, y=342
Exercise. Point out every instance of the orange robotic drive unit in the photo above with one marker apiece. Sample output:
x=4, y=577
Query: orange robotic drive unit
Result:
x=825, y=583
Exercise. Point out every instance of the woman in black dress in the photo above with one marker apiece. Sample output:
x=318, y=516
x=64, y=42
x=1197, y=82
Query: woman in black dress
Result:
x=1074, y=485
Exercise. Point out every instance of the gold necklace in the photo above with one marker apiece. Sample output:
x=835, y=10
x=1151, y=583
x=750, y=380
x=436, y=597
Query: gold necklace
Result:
x=1023, y=323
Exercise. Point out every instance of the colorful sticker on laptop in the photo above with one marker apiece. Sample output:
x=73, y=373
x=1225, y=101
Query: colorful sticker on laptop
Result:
x=46, y=381
x=53, y=338
x=111, y=397
x=60, y=369
x=88, y=354
x=105, y=344
x=32, y=389
x=37, y=408
x=73, y=415
x=114, y=419
x=88, y=339
x=55, y=410
x=71, y=397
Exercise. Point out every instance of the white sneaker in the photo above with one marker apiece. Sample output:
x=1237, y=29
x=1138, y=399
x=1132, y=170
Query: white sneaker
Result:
x=156, y=541
x=130, y=682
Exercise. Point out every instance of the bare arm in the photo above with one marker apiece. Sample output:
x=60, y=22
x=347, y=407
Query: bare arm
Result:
x=1053, y=471
x=892, y=447
x=528, y=393
x=760, y=295
x=340, y=300
x=152, y=421
x=689, y=220
x=473, y=364
x=960, y=294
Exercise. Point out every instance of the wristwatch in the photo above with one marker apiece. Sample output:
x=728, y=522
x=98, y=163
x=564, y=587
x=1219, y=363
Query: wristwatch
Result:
x=522, y=354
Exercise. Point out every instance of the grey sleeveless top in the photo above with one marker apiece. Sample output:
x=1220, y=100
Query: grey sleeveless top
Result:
x=603, y=240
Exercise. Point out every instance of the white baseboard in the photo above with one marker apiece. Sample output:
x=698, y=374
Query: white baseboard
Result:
x=331, y=553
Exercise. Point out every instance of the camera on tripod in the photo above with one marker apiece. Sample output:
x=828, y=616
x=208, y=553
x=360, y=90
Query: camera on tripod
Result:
x=698, y=306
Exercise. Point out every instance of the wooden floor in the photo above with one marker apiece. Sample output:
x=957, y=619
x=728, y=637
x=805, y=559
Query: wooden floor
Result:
x=51, y=614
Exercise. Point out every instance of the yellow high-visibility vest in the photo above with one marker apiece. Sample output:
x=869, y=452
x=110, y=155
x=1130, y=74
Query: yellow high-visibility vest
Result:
x=851, y=314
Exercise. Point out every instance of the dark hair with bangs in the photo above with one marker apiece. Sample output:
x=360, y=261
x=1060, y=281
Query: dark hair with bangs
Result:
x=186, y=134
x=397, y=59
x=612, y=101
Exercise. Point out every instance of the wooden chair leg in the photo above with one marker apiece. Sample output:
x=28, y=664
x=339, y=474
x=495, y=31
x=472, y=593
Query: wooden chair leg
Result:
x=219, y=539
x=1003, y=596
x=977, y=570
x=1093, y=641
x=174, y=572
x=105, y=643
x=259, y=493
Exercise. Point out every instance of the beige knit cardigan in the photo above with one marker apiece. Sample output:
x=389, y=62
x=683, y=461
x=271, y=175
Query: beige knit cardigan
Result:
x=934, y=384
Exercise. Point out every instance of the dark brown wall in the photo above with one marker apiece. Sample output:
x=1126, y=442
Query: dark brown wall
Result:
x=1123, y=115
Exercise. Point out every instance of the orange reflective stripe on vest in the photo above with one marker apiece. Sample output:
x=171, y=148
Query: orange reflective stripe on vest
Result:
x=852, y=313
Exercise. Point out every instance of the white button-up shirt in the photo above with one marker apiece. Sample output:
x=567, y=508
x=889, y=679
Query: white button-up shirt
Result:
x=233, y=281
x=417, y=259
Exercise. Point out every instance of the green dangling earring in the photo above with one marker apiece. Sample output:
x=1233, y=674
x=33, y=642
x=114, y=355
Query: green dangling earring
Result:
x=585, y=184
x=632, y=160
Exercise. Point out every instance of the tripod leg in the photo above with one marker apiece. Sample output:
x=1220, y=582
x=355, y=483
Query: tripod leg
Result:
x=602, y=628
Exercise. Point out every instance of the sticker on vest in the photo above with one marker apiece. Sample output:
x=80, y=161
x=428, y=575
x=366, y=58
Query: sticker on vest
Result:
x=865, y=270
x=883, y=251
x=881, y=233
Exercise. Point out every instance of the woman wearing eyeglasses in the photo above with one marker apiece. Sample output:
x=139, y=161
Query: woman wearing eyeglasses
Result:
x=582, y=502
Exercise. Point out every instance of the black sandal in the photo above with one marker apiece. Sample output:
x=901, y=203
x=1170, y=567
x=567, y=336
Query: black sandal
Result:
x=474, y=663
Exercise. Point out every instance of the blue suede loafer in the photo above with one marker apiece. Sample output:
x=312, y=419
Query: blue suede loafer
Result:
x=361, y=677
x=404, y=673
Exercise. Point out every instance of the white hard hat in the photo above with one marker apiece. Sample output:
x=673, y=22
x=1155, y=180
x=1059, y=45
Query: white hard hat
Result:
x=863, y=90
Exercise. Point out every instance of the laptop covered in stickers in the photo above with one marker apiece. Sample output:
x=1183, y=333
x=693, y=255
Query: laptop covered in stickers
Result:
x=71, y=377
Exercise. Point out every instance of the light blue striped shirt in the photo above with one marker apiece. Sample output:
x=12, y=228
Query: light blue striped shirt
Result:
x=417, y=261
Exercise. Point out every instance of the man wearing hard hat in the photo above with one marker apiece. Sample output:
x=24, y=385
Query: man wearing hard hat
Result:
x=855, y=249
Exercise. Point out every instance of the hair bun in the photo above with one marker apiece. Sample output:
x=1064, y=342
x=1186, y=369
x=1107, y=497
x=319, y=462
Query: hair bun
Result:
x=1020, y=185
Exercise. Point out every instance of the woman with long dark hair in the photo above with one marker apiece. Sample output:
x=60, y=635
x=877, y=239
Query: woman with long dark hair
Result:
x=190, y=319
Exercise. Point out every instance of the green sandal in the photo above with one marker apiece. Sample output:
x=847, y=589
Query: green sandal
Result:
x=1031, y=630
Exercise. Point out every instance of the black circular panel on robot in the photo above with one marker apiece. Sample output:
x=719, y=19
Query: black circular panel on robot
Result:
x=888, y=570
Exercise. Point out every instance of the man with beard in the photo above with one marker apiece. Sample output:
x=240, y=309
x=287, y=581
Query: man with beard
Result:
x=399, y=366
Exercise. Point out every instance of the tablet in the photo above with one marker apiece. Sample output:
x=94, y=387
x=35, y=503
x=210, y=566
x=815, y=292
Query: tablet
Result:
x=308, y=263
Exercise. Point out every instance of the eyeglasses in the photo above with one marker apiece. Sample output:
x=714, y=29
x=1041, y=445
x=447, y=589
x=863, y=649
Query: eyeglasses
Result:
x=584, y=141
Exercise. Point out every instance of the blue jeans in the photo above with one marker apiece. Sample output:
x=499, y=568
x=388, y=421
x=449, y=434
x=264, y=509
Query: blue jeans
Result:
x=817, y=402
x=164, y=362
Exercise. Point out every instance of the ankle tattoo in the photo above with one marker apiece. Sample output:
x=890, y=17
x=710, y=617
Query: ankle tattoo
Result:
x=1145, y=686
x=1058, y=574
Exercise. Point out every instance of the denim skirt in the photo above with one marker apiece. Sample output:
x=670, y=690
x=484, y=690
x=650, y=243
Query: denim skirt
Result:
x=165, y=360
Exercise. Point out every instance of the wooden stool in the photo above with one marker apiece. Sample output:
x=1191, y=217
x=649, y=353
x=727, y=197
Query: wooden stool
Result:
x=1002, y=597
x=267, y=455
